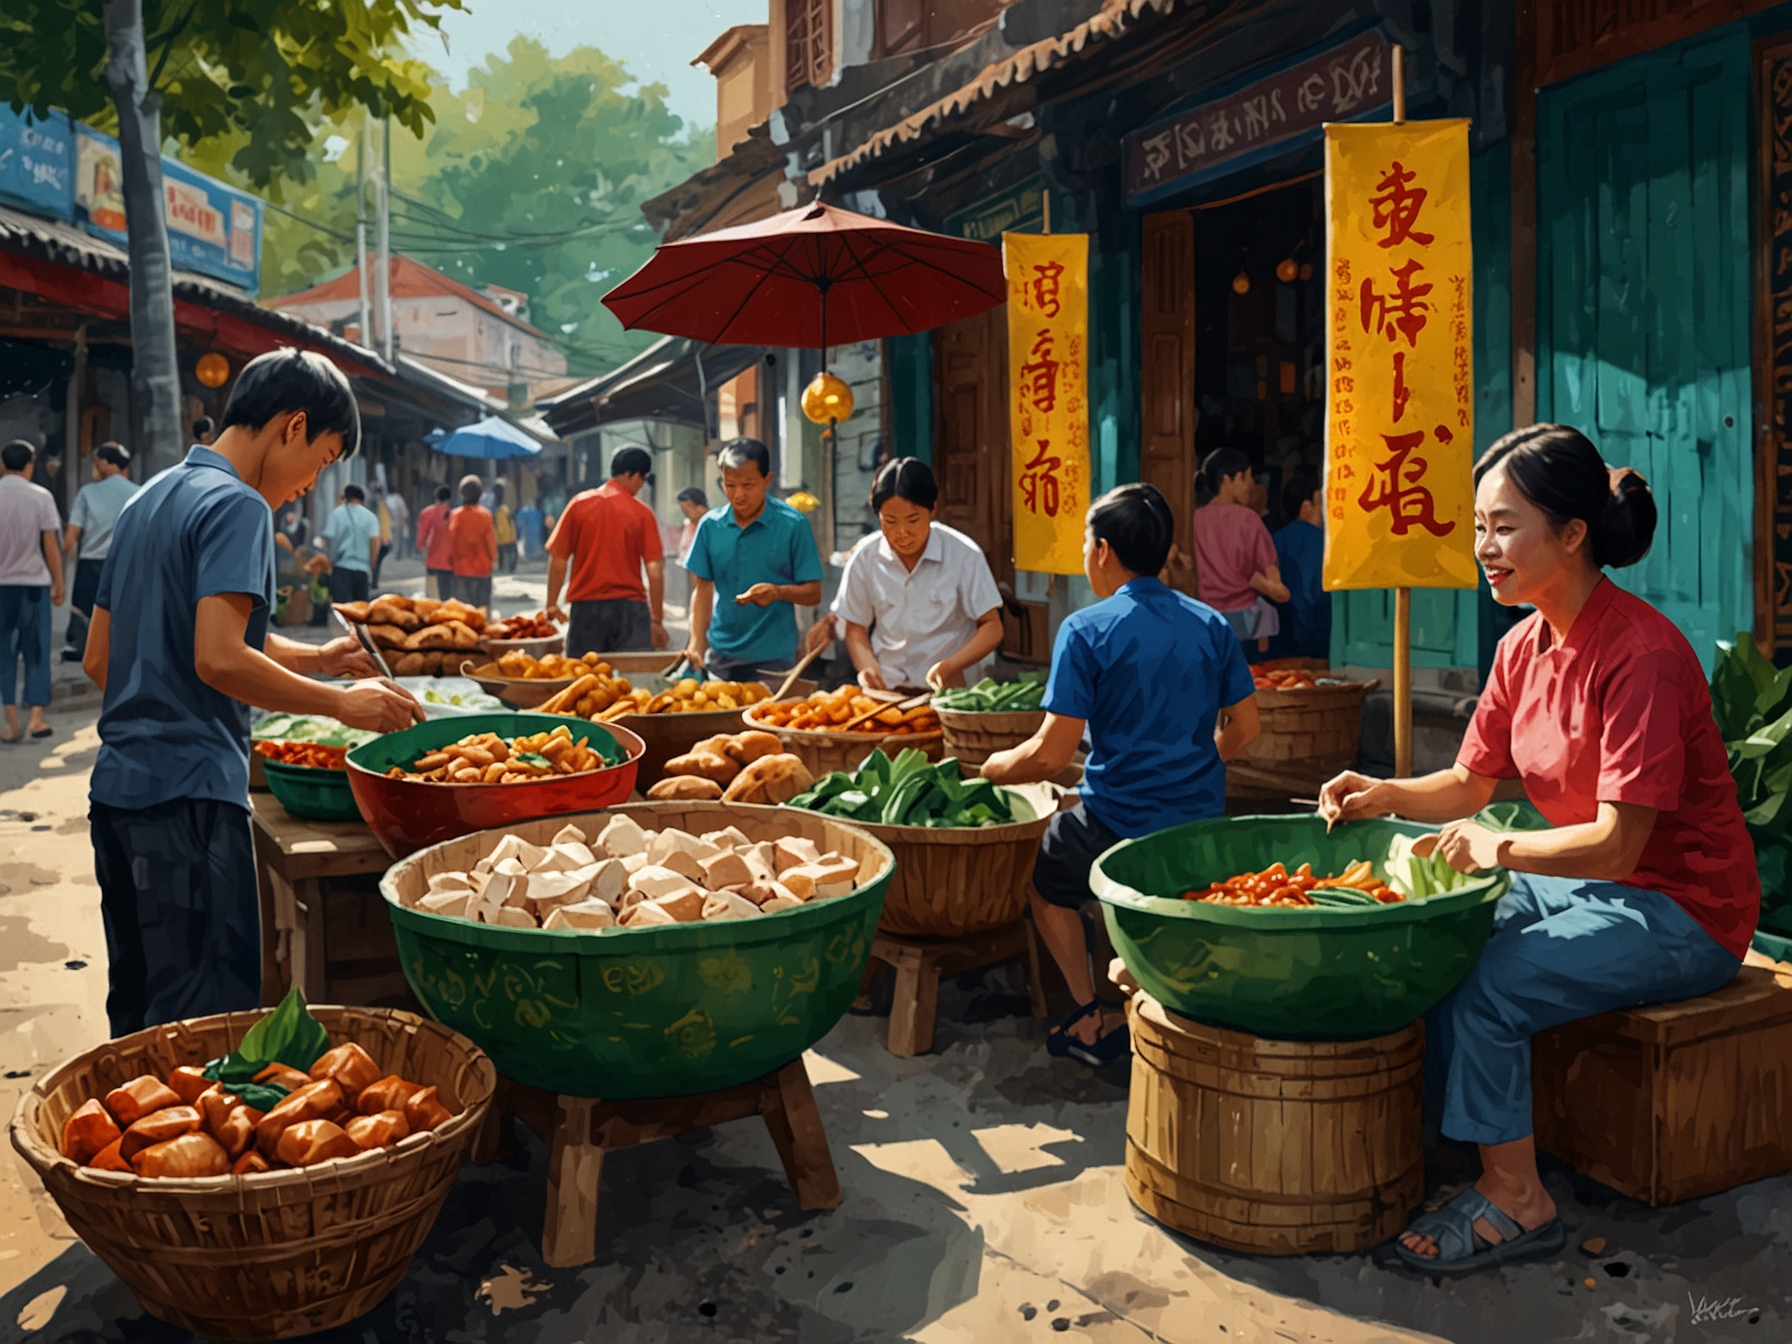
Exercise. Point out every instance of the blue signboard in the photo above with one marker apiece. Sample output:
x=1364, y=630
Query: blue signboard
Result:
x=37, y=162
x=212, y=229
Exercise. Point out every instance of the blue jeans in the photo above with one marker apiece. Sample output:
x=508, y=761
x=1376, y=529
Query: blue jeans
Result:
x=1562, y=949
x=25, y=630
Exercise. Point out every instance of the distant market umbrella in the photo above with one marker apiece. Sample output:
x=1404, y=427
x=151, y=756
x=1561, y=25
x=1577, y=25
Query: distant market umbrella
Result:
x=493, y=437
x=810, y=278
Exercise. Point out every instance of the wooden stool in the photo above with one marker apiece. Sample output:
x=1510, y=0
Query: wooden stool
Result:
x=1676, y=1100
x=920, y=962
x=582, y=1129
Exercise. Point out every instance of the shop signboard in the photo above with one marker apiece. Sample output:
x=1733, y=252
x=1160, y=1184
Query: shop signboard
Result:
x=212, y=228
x=1400, y=426
x=1342, y=83
x=1022, y=207
x=37, y=162
x=1048, y=406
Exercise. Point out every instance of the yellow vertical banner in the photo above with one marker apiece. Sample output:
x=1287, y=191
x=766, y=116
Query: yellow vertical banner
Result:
x=1400, y=413
x=1048, y=396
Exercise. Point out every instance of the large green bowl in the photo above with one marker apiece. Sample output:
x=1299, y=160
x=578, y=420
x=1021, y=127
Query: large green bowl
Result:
x=311, y=792
x=652, y=1012
x=1337, y=974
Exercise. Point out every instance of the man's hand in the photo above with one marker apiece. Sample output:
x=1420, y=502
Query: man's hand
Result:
x=819, y=635
x=942, y=675
x=759, y=595
x=379, y=706
x=695, y=656
x=555, y=615
x=344, y=657
x=657, y=635
x=56, y=594
x=872, y=680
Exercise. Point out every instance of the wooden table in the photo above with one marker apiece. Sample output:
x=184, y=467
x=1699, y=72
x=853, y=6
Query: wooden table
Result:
x=581, y=1130
x=920, y=962
x=324, y=925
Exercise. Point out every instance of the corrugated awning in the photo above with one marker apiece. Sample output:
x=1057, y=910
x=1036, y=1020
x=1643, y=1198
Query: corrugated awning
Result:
x=669, y=380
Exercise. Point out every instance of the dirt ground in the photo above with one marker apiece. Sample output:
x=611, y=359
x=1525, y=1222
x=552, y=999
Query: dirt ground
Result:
x=984, y=1199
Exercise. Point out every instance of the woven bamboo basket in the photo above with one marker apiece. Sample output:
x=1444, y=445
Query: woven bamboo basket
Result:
x=974, y=737
x=954, y=881
x=283, y=1253
x=825, y=753
x=1308, y=736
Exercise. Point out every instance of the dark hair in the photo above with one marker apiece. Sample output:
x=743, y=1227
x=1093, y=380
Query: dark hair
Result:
x=352, y=492
x=631, y=460
x=1558, y=469
x=1136, y=521
x=296, y=380
x=18, y=455
x=692, y=495
x=906, y=478
x=471, y=487
x=1220, y=464
x=739, y=452
x=1301, y=488
x=203, y=426
x=114, y=453
x=443, y=494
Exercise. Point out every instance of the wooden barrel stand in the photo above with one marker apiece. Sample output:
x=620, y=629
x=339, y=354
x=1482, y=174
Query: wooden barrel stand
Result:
x=1276, y=1147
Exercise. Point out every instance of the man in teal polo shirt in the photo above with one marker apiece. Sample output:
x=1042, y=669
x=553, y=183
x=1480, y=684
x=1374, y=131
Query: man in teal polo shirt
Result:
x=752, y=563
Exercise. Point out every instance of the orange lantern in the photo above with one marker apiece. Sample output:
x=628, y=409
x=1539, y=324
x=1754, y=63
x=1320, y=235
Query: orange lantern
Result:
x=827, y=399
x=212, y=370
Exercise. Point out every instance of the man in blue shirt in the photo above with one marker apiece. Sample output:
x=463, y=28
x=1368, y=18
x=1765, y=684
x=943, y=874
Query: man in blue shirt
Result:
x=1300, y=556
x=752, y=563
x=351, y=538
x=1161, y=685
x=180, y=645
x=89, y=535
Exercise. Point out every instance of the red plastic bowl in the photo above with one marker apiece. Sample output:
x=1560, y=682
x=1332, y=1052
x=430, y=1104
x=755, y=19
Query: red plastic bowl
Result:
x=407, y=815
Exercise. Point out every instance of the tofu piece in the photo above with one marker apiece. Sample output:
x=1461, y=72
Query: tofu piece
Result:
x=580, y=915
x=669, y=842
x=646, y=913
x=510, y=867
x=778, y=903
x=793, y=851
x=760, y=862
x=654, y=882
x=685, y=865
x=505, y=889
x=833, y=876
x=629, y=899
x=728, y=905
x=799, y=881
x=506, y=848
x=730, y=838
x=479, y=881
x=568, y=834
x=532, y=857
x=453, y=904
x=685, y=906
x=510, y=917
x=622, y=837
x=609, y=881
x=726, y=869
x=634, y=863
x=567, y=856
x=548, y=888
x=483, y=868
x=769, y=890
x=450, y=882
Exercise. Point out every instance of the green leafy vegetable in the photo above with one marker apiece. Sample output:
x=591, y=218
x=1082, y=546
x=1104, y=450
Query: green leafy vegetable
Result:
x=1417, y=878
x=1752, y=702
x=308, y=728
x=289, y=1035
x=912, y=791
x=995, y=697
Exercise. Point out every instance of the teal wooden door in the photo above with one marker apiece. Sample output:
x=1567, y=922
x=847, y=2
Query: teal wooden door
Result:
x=1643, y=307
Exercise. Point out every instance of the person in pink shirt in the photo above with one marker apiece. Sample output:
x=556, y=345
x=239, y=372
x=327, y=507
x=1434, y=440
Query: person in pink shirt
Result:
x=1235, y=558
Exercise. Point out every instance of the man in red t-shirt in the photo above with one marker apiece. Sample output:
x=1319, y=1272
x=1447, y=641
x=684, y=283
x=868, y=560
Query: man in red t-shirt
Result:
x=432, y=545
x=472, y=545
x=609, y=537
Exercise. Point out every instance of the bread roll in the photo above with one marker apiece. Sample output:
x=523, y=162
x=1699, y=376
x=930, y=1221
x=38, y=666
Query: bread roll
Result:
x=87, y=1131
x=311, y=1141
x=686, y=788
x=140, y=1097
x=351, y=1066
x=189, y=1156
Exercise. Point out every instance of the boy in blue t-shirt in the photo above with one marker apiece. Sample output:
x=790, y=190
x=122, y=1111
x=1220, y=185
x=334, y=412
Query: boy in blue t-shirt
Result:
x=1300, y=555
x=1161, y=684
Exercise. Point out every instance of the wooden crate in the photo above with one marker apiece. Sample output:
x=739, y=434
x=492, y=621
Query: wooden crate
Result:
x=1676, y=1100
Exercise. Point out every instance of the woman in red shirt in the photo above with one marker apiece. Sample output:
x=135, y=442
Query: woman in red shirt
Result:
x=472, y=545
x=1645, y=891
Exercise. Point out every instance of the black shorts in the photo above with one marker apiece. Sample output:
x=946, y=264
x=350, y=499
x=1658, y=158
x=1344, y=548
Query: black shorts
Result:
x=608, y=625
x=1072, y=843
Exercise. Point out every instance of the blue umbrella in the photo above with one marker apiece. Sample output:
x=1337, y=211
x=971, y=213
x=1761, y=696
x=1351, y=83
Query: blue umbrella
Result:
x=493, y=437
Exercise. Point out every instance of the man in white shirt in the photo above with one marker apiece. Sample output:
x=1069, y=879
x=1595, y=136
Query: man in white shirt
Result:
x=400, y=514
x=30, y=584
x=89, y=536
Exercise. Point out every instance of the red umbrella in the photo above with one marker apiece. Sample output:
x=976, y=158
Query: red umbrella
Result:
x=809, y=278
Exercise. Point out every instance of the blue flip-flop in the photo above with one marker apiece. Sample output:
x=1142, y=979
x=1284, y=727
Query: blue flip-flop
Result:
x=1462, y=1250
x=1108, y=1047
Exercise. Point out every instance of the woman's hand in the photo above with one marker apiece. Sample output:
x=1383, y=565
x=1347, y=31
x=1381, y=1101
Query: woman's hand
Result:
x=1469, y=848
x=871, y=679
x=1349, y=797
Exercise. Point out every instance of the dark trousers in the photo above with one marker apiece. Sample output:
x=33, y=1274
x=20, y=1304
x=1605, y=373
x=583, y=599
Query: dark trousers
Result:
x=87, y=587
x=474, y=589
x=443, y=581
x=349, y=585
x=177, y=895
x=507, y=558
x=607, y=625
x=732, y=669
x=380, y=559
x=25, y=633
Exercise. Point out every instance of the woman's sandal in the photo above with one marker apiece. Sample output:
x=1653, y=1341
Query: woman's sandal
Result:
x=1107, y=1047
x=1463, y=1250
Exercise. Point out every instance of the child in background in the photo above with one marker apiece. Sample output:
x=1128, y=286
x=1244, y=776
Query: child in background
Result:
x=1236, y=570
x=1300, y=556
x=1162, y=687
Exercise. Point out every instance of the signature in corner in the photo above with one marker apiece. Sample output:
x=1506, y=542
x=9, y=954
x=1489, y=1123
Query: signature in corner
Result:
x=1716, y=1309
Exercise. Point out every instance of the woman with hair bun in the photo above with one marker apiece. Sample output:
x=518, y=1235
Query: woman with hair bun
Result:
x=1645, y=891
x=919, y=603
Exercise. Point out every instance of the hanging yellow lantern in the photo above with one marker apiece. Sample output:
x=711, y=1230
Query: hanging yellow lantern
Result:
x=212, y=370
x=803, y=502
x=1241, y=283
x=827, y=398
x=1287, y=270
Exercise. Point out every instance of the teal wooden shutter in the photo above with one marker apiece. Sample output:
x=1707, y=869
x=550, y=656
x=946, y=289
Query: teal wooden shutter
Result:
x=1644, y=302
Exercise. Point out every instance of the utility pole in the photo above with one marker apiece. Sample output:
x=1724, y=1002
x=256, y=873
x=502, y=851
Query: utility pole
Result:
x=361, y=234
x=383, y=278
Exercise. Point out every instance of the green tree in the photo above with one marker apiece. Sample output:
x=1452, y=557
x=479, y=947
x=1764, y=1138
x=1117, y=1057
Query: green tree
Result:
x=262, y=70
